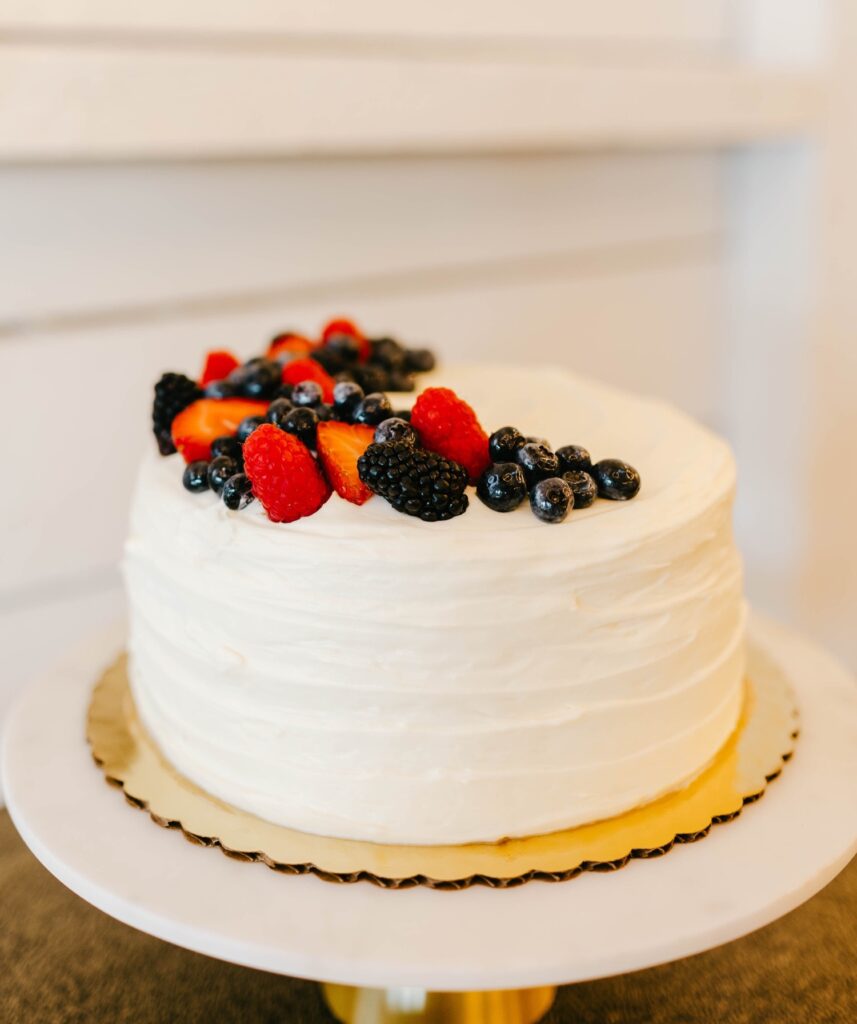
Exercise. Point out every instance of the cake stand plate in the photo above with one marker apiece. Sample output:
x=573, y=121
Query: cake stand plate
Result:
x=407, y=950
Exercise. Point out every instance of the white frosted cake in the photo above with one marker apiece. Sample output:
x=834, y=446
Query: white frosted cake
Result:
x=364, y=674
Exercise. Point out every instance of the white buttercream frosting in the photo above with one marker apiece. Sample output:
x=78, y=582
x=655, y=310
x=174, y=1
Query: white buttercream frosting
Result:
x=360, y=673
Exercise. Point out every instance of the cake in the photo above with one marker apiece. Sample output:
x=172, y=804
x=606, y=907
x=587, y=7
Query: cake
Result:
x=364, y=674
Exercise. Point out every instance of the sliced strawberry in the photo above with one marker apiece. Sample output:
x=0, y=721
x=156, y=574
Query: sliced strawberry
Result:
x=218, y=364
x=290, y=345
x=340, y=445
x=286, y=478
x=308, y=369
x=342, y=326
x=199, y=424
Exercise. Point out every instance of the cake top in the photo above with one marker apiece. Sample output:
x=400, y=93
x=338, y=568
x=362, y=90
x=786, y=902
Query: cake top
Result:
x=272, y=439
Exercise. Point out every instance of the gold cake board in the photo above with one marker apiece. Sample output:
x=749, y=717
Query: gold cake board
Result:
x=763, y=740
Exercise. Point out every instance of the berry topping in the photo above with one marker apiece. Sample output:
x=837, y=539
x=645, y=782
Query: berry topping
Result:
x=288, y=345
x=218, y=364
x=573, y=457
x=195, y=477
x=502, y=486
x=248, y=425
x=616, y=480
x=395, y=429
x=371, y=378
x=285, y=476
x=389, y=354
x=419, y=360
x=173, y=393
x=237, y=492
x=307, y=392
x=537, y=461
x=583, y=487
x=227, y=445
x=340, y=445
x=505, y=443
x=551, y=499
x=401, y=382
x=348, y=327
x=344, y=347
x=347, y=395
x=415, y=481
x=199, y=424
x=302, y=422
x=308, y=369
x=257, y=378
x=448, y=426
x=373, y=409
x=220, y=470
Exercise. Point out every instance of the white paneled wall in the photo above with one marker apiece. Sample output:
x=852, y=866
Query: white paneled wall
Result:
x=556, y=181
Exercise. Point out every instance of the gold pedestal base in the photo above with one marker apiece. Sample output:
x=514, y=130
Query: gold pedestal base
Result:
x=410, y=1005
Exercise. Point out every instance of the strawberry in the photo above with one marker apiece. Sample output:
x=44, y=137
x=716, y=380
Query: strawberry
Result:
x=218, y=364
x=286, y=478
x=199, y=424
x=308, y=369
x=293, y=345
x=340, y=445
x=447, y=425
x=348, y=327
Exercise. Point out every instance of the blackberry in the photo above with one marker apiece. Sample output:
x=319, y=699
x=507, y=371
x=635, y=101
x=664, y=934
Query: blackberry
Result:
x=173, y=393
x=505, y=443
x=195, y=476
x=616, y=480
x=583, y=487
x=415, y=481
x=395, y=429
x=237, y=492
x=502, y=487
x=573, y=457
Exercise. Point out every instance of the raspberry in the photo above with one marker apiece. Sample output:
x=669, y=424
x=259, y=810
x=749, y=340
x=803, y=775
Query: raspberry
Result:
x=414, y=481
x=285, y=476
x=447, y=425
x=218, y=365
x=299, y=370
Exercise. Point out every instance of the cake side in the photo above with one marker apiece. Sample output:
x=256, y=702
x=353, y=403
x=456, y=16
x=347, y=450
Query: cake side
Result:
x=371, y=676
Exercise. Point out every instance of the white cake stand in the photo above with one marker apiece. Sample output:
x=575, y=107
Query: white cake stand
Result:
x=402, y=945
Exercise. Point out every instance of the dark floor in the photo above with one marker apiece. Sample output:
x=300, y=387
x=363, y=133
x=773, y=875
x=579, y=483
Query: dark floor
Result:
x=63, y=961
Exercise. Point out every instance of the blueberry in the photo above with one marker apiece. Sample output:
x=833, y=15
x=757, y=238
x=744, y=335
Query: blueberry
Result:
x=388, y=353
x=371, y=378
x=302, y=422
x=220, y=470
x=551, y=500
x=373, y=409
x=401, y=381
x=195, y=477
x=222, y=389
x=403, y=414
x=583, y=487
x=539, y=440
x=323, y=411
x=505, y=443
x=573, y=457
x=347, y=395
x=278, y=410
x=395, y=429
x=537, y=461
x=237, y=492
x=247, y=426
x=307, y=392
x=328, y=359
x=258, y=378
x=502, y=486
x=419, y=360
x=345, y=347
x=616, y=480
x=227, y=445
x=283, y=391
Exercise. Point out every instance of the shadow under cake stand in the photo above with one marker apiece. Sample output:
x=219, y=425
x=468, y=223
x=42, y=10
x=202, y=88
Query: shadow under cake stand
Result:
x=423, y=954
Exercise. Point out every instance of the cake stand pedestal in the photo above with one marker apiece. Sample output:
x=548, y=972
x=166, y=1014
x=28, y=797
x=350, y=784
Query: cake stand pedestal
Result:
x=423, y=954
